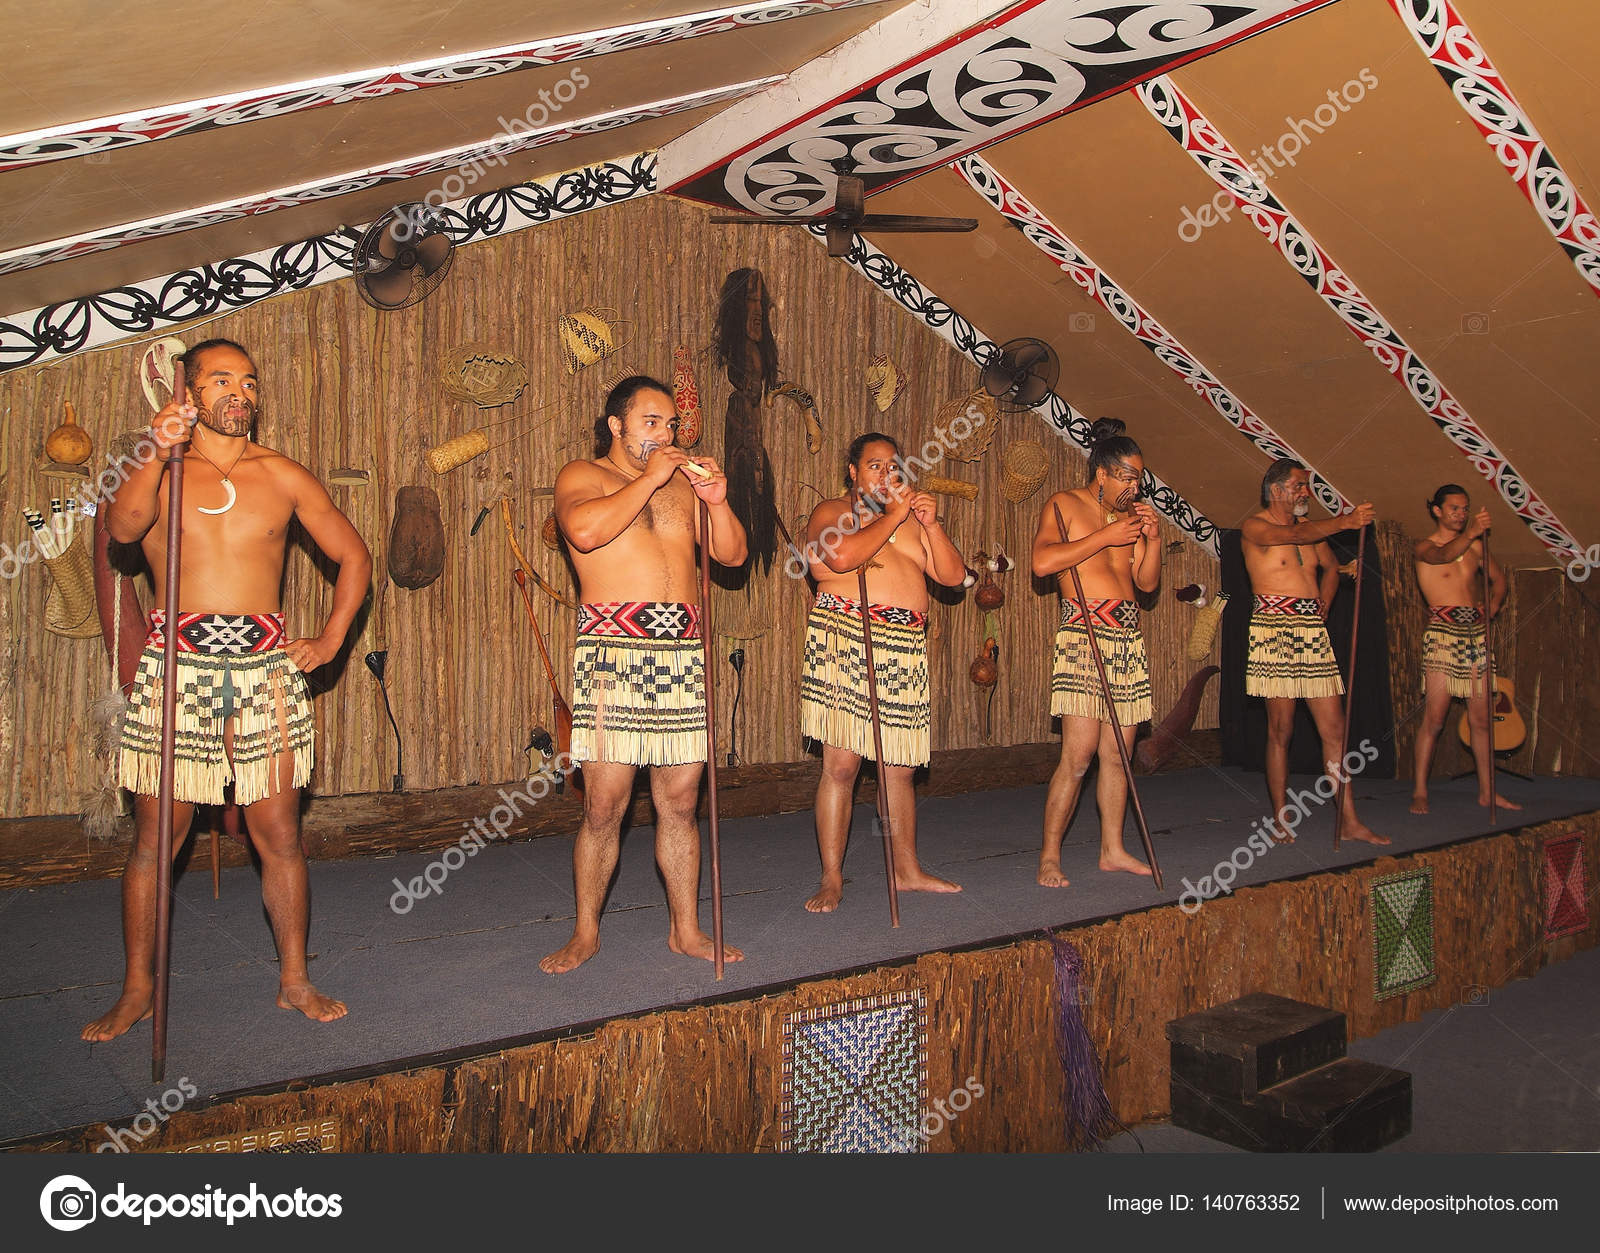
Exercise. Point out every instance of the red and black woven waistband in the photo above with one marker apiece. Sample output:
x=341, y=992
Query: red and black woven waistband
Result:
x=1456, y=615
x=640, y=619
x=1107, y=612
x=219, y=634
x=888, y=615
x=1299, y=605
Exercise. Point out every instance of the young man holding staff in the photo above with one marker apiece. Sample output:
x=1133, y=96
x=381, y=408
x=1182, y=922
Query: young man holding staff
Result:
x=632, y=525
x=1114, y=542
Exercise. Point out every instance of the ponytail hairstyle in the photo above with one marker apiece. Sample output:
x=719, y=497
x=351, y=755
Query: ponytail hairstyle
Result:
x=1108, y=445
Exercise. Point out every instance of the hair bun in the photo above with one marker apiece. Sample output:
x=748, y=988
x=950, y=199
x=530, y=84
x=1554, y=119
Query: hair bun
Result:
x=1104, y=429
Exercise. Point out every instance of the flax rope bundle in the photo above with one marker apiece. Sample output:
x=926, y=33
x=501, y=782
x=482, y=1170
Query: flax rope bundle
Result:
x=442, y=458
x=949, y=487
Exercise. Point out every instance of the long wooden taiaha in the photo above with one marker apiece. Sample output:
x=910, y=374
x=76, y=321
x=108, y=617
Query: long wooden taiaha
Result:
x=711, y=736
x=877, y=748
x=169, y=714
x=1349, y=695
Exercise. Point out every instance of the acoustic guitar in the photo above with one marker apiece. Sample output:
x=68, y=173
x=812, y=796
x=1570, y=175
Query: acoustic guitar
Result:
x=1509, y=729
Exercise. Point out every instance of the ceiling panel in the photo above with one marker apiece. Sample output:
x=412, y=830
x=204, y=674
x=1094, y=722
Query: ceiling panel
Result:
x=66, y=280
x=188, y=49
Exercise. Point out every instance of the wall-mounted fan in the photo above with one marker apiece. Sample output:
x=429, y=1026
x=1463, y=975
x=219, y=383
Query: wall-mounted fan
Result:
x=849, y=216
x=1023, y=373
x=402, y=256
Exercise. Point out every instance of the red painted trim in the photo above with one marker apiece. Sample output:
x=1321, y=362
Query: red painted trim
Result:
x=964, y=36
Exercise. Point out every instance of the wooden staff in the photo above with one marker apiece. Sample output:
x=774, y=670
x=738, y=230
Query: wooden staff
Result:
x=1488, y=677
x=562, y=709
x=877, y=747
x=1349, y=694
x=1111, y=708
x=169, y=716
x=711, y=731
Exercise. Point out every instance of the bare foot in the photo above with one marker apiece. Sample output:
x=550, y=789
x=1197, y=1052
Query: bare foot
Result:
x=1123, y=861
x=698, y=944
x=131, y=1007
x=1500, y=802
x=1419, y=803
x=1359, y=831
x=1281, y=834
x=827, y=897
x=1050, y=875
x=919, y=880
x=571, y=955
x=310, y=1002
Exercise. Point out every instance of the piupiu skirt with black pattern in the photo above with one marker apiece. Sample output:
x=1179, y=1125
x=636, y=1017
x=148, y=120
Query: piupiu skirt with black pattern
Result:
x=1454, y=645
x=638, y=680
x=230, y=667
x=1075, y=689
x=1290, y=652
x=834, y=707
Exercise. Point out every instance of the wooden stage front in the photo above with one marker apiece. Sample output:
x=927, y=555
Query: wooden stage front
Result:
x=457, y=1042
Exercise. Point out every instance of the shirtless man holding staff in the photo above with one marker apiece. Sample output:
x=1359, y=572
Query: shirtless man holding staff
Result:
x=1294, y=577
x=632, y=523
x=244, y=715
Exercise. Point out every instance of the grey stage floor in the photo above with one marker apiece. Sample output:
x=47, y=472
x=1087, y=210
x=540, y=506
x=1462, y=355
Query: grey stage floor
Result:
x=460, y=967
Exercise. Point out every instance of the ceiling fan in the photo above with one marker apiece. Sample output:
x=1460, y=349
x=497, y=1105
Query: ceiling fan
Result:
x=849, y=216
x=401, y=257
x=1021, y=374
